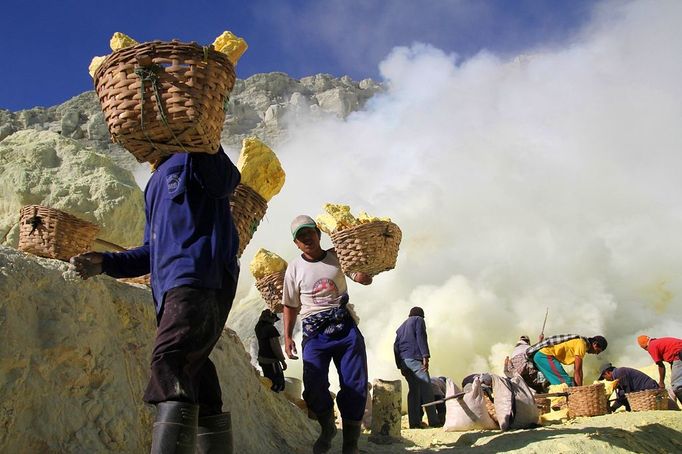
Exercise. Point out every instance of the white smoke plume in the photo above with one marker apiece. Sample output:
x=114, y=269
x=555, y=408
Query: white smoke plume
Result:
x=549, y=180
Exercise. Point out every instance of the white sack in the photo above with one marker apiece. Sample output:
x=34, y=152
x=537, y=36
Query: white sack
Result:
x=467, y=412
x=515, y=406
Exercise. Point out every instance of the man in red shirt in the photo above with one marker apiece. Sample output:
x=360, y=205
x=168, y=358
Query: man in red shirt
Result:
x=667, y=349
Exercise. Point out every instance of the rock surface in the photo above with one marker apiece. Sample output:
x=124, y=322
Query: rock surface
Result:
x=45, y=168
x=74, y=363
x=263, y=104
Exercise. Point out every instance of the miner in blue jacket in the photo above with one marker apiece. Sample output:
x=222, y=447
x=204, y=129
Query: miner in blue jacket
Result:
x=411, y=351
x=190, y=248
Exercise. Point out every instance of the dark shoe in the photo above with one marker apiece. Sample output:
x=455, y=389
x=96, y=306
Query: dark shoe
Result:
x=327, y=434
x=175, y=428
x=351, y=435
x=214, y=435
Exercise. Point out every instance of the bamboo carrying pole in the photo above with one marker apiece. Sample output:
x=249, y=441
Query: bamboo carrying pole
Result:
x=436, y=402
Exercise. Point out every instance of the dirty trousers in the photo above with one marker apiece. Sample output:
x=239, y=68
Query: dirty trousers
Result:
x=188, y=329
x=347, y=350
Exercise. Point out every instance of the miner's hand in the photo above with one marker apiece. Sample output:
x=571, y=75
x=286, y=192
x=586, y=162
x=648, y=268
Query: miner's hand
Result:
x=88, y=264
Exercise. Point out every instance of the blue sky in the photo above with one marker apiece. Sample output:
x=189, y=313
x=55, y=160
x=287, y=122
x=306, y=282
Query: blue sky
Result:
x=46, y=45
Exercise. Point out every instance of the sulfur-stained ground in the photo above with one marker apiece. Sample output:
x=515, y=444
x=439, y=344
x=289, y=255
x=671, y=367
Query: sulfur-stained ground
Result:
x=644, y=432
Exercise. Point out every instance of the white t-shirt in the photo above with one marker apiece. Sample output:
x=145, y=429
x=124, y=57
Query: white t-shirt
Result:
x=314, y=286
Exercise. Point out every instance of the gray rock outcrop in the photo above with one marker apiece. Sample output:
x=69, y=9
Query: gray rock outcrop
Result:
x=263, y=105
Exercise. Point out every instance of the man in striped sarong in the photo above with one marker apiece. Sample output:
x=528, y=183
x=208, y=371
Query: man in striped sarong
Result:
x=550, y=355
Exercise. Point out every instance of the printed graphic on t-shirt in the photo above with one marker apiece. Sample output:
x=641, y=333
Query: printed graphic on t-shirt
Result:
x=324, y=290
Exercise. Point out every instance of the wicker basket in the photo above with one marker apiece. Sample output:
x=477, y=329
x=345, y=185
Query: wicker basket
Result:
x=368, y=248
x=165, y=97
x=248, y=209
x=650, y=399
x=587, y=400
x=51, y=233
x=270, y=288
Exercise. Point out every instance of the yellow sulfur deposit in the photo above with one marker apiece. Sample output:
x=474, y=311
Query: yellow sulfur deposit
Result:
x=94, y=64
x=338, y=217
x=609, y=386
x=265, y=263
x=260, y=168
x=120, y=41
x=560, y=388
x=554, y=416
x=364, y=218
x=231, y=45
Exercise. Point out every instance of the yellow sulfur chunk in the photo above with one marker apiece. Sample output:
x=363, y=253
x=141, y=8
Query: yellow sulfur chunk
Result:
x=231, y=45
x=364, y=218
x=338, y=217
x=265, y=263
x=554, y=416
x=120, y=41
x=260, y=168
x=94, y=64
x=327, y=223
x=560, y=388
x=609, y=386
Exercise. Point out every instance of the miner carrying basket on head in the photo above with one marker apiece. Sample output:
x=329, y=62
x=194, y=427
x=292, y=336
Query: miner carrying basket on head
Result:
x=315, y=286
x=190, y=248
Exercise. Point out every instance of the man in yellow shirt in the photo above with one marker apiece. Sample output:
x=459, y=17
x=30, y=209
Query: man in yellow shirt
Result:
x=550, y=355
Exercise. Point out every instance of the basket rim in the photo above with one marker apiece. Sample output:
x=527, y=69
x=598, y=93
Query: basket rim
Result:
x=212, y=53
x=365, y=226
x=270, y=276
x=573, y=389
x=70, y=217
x=647, y=391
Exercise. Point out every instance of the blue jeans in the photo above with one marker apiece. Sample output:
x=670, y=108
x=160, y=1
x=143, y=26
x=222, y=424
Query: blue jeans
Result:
x=347, y=350
x=419, y=392
x=676, y=377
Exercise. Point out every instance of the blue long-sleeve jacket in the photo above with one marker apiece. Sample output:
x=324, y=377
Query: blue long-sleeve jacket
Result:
x=189, y=236
x=411, y=341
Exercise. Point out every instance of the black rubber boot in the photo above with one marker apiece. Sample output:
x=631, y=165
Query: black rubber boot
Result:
x=351, y=435
x=327, y=434
x=175, y=428
x=215, y=434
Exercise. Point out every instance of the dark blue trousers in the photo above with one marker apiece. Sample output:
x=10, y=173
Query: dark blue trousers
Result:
x=347, y=350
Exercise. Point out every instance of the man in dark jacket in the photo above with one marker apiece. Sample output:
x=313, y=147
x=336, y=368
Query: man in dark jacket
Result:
x=270, y=356
x=629, y=381
x=190, y=248
x=411, y=350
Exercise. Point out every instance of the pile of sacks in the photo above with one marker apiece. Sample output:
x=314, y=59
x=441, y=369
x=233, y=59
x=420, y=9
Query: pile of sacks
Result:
x=514, y=404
